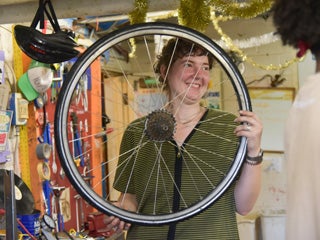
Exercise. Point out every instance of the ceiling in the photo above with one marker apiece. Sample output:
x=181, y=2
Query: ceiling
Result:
x=18, y=11
x=23, y=11
x=8, y=2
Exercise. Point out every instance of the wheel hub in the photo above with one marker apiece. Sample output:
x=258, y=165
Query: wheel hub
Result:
x=160, y=126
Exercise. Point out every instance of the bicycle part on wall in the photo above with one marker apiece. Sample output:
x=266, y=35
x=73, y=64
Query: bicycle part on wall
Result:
x=120, y=98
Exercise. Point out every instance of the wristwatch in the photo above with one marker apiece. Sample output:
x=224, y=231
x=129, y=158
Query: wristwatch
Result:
x=255, y=160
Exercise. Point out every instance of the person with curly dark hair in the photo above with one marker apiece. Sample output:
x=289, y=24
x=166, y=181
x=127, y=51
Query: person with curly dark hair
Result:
x=297, y=22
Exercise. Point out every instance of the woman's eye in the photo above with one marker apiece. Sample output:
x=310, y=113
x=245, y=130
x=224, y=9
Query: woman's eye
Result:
x=206, y=68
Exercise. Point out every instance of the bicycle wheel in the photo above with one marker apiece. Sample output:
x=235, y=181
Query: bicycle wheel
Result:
x=125, y=90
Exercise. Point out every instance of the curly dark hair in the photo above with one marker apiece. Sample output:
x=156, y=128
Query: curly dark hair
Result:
x=179, y=48
x=298, y=20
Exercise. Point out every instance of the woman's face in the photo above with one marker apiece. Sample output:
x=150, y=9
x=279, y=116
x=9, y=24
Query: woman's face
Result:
x=188, y=78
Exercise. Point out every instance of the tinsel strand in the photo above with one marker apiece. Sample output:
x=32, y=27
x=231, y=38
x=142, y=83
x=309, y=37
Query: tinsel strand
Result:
x=247, y=10
x=194, y=14
x=197, y=14
x=138, y=15
x=229, y=43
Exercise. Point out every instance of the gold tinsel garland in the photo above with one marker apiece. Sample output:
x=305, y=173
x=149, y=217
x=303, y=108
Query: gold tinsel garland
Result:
x=248, y=9
x=197, y=14
x=138, y=15
x=229, y=43
x=194, y=14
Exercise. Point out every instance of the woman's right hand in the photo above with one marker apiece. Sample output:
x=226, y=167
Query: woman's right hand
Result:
x=115, y=224
x=126, y=201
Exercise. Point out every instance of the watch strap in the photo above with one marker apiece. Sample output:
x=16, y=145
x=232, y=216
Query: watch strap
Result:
x=255, y=160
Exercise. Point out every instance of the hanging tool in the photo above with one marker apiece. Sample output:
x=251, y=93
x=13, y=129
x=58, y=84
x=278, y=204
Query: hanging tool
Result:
x=79, y=213
x=77, y=140
x=54, y=164
x=57, y=191
x=82, y=92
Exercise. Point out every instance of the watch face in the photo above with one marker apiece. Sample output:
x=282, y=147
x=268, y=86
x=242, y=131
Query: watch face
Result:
x=49, y=221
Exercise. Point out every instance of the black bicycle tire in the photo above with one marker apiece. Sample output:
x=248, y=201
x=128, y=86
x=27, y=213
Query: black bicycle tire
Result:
x=65, y=97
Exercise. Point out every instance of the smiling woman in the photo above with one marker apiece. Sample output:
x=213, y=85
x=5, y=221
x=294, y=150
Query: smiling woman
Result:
x=184, y=67
x=176, y=160
x=185, y=75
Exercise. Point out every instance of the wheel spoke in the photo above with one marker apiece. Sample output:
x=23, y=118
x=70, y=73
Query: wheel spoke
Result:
x=132, y=107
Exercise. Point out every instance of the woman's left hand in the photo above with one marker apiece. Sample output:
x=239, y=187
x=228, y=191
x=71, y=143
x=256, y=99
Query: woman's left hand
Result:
x=251, y=128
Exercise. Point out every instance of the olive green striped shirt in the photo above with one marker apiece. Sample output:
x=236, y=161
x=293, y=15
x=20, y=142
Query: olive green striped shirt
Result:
x=205, y=156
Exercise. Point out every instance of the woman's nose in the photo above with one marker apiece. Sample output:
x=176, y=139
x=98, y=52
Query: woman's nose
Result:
x=199, y=72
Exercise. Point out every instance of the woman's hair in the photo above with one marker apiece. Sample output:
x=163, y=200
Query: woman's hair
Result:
x=179, y=48
x=298, y=21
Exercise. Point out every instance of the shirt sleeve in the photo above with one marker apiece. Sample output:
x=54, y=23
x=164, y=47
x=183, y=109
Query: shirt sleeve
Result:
x=124, y=177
